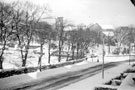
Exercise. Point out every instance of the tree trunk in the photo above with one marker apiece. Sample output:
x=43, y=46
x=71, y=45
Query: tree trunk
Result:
x=72, y=52
x=21, y=49
x=1, y=55
x=49, y=48
x=40, y=63
x=67, y=56
x=68, y=52
x=1, y=62
x=120, y=48
x=59, y=58
x=23, y=55
x=59, y=52
x=60, y=42
x=92, y=55
x=40, y=57
x=25, y=58
x=81, y=51
x=23, y=62
x=26, y=50
x=109, y=49
x=77, y=50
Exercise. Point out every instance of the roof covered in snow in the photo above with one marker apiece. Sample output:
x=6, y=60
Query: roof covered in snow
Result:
x=107, y=27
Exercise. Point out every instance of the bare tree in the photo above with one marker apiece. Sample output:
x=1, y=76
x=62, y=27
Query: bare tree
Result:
x=51, y=37
x=61, y=25
x=60, y=29
x=6, y=27
x=28, y=15
x=43, y=36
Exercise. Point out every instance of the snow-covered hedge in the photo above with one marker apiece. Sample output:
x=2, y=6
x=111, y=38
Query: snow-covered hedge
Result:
x=11, y=72
x=133, y=65
x=104, y=88
x=130, y=70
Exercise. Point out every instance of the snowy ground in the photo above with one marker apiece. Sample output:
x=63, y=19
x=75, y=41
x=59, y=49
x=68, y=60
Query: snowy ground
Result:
x=128, y=83
x=37, y=76
x=96, y=80
x=12, y=58
x=86, y=84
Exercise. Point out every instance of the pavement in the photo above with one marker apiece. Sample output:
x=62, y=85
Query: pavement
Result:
x=13, y=82
x=87, y=84
x=97, y=80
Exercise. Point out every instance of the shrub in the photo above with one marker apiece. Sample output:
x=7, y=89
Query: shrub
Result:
x=104, y=88
x=133, y=65
x=11, y=44
x=131, y=70
x=11, y=72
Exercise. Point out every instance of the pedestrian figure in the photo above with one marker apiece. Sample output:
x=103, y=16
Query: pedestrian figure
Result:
x=86, y=58
x=98, y=59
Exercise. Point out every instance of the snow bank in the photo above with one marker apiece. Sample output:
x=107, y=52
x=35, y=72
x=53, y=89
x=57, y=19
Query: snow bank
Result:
x=96, y=80
x=31, y=78
x=128, y=83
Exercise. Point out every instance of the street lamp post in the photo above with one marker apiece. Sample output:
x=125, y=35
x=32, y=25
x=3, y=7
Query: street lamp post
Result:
x=129, y=53
x=103, y=53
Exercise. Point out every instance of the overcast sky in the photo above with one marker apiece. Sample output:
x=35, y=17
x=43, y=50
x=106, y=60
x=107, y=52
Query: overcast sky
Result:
x=104, y=12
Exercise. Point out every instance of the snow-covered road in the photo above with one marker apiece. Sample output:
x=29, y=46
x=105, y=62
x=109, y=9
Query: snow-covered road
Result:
x=61, y=76
x=71, y=77
x=67, y=78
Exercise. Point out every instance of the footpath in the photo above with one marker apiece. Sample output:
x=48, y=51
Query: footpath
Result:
x=16, y=81
x=13, y=82
x=109, y=74
x=96, y=80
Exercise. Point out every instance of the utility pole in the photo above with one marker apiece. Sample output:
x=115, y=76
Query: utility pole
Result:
x=129, y=52
x=103, y=53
